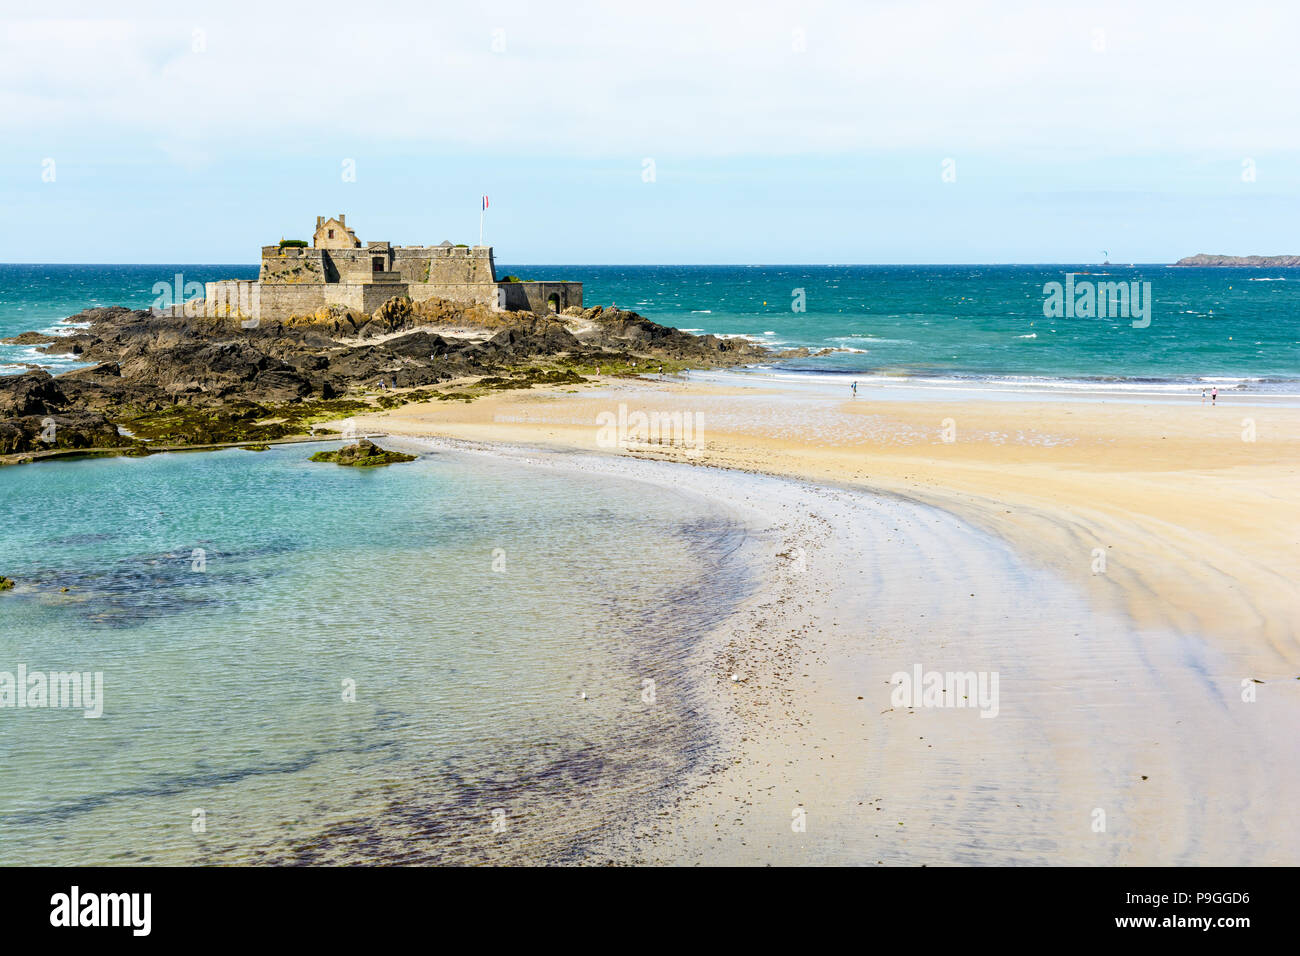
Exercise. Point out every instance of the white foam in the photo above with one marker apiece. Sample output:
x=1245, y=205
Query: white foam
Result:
x=872, y=338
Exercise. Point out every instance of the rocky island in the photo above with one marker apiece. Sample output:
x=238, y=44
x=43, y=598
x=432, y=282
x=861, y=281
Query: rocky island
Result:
x=327, y=331
x=1240, y=262
x=165, y=381
x=363, y=454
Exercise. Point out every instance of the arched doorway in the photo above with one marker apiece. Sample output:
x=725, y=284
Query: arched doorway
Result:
x=553, y=301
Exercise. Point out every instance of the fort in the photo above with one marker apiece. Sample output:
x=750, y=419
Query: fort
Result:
x=339, y=270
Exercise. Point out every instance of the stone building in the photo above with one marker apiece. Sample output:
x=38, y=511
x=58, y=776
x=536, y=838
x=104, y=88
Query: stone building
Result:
x=339, y=269
x=334, y=234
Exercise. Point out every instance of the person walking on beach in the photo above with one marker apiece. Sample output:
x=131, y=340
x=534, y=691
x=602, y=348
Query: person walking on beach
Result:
x=1202, y=396
x=855, y=389
x=1214, y=395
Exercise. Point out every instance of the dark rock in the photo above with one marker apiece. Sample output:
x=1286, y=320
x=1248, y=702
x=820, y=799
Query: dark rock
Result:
x=418, y=345
x=30, y=338
x=280, y=385
x=184, y=379
x=37, y=433
x=1238, y=262
x=364, y=454
x=32, y=393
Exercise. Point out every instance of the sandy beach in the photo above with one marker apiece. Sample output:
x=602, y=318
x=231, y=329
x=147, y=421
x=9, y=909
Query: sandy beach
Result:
x=1125, y=567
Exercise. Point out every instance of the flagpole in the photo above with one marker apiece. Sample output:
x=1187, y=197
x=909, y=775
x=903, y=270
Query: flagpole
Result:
x=480, y=222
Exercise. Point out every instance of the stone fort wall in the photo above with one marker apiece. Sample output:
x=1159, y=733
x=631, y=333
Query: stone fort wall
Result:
x=539, y=297
x=298, y=281
x=379, y=261
x=272, y=300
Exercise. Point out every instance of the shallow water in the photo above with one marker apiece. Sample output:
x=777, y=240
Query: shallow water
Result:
x=228, y=597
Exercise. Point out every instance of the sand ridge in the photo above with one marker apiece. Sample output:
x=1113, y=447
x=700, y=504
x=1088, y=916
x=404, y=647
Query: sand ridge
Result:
x=1122, y=685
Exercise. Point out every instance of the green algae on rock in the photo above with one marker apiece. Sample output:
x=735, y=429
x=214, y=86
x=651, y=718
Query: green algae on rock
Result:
x=211, y=380
x=364, y=454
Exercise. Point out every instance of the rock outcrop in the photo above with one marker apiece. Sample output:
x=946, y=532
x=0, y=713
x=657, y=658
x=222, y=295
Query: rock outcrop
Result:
x=1239, y=262
x=202, y=380
x=30, y=338
x=363, y=454
x=36, y=414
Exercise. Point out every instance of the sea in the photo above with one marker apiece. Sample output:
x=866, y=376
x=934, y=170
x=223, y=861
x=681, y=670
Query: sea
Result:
x=454, y=660
x=1235, y=329
x=466, y=659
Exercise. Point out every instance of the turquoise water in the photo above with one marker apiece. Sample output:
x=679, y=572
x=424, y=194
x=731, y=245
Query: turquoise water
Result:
x=1231, y=327
x=473, y=602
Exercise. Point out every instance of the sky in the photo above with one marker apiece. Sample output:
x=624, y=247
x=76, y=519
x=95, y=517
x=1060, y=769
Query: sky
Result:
x=632, y=132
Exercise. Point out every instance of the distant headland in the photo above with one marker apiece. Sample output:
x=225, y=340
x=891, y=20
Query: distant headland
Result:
x=1241, y=262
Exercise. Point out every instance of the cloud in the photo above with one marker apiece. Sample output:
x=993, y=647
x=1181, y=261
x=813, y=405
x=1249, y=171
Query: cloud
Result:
x=600, y=80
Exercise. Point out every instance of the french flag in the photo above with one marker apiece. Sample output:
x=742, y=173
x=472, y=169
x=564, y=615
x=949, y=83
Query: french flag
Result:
x=485, y=202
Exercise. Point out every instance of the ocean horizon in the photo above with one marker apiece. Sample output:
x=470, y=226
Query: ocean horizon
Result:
x=1230, y=328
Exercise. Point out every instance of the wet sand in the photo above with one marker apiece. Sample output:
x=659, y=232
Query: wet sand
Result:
x=1121, y=735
